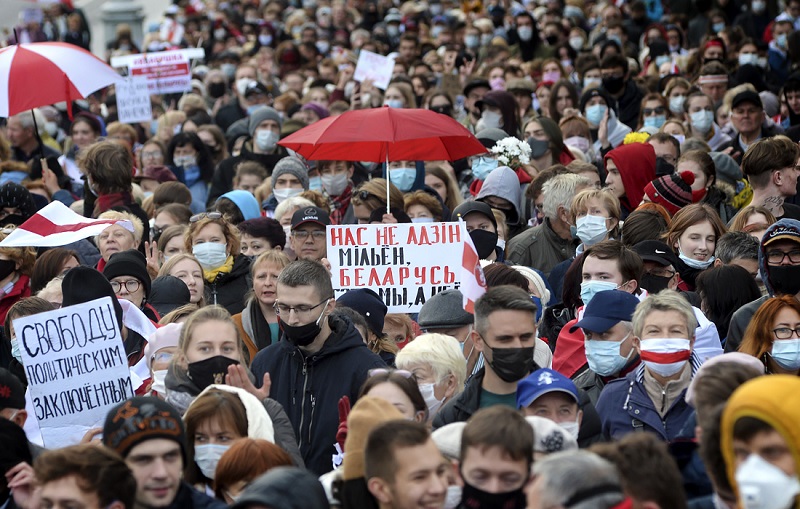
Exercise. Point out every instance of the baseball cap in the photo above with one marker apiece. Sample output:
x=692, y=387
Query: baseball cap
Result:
x=468, y=207
x=310, y=215
x=747, y=96
x=781, y=232
x=606, y=309
x=476, y=83
x=12, y=393
x=255, y=87
x=655, y=251
x=543, y=381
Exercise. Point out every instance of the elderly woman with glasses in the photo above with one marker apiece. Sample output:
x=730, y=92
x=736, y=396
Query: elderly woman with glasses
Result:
x=215, y=243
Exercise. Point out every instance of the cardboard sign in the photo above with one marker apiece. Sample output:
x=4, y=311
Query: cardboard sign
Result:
x=133, y=100
x=167, y=72
x=375, y=67
x=406, y=264
x=76, y=366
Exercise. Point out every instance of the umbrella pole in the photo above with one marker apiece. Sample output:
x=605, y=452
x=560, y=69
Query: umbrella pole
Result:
x=388, y=205
x=38, y=138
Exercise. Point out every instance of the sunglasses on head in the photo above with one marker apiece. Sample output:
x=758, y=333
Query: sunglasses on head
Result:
x=211, y=215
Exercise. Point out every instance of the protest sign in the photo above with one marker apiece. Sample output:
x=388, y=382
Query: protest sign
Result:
x=406, y=264
x=76, y=367
x=167, y=72
x=133, y=100
x=375, y=67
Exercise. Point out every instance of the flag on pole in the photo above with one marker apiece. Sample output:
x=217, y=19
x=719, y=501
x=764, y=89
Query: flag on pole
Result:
x=57, y=225
x=473, y=283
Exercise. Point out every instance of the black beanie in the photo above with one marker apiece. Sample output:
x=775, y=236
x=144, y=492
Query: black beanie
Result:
x=129, y=263
x=140, y=419
x=169, y=293
x=83, y=284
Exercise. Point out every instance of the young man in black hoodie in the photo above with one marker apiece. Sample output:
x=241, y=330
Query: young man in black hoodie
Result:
x=319, y=360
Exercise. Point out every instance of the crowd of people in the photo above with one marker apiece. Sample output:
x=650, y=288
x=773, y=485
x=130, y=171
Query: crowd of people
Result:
x=635, y=210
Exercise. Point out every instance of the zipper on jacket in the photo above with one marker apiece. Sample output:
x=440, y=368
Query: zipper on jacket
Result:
x=311, y=420
x=663, y=400
x=214, y=291
x=303, y=403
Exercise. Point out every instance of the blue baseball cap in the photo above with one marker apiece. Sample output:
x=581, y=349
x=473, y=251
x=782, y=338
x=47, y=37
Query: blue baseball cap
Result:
x=541, y=382
x=606, y=309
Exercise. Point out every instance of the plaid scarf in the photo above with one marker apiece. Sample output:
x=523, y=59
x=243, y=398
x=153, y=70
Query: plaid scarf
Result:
x=340, y=203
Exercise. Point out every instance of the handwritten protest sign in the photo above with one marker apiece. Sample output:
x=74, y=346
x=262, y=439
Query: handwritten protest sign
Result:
x=375, y=67
x=76, y=366
x=167, y=72
x=133, y=100
x=406, y=264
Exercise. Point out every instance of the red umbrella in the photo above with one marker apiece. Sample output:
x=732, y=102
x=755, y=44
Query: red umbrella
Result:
x=41, y=73
x=383, y=135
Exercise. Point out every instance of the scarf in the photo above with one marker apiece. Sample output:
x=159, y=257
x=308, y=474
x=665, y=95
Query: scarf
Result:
x=259, y=329
x=211, y=275
x=339, y=204
x=108, y=201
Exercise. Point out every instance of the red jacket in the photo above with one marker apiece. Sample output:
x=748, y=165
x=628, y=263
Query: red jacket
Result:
x=20, y=290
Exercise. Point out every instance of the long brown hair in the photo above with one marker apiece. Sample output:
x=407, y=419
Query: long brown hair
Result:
x=758, y=337
x=691, y=215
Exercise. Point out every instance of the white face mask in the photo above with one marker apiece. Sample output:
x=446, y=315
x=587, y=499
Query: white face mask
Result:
x=571, y=427
x=591, y=229
x=210, y=254
x=453, y=497
x=266, y=139
x=286, y=192
x=207, y=456
x=159, y=379
x=427, y=391
x=241, y=85
x=335, y=184
x=762, y=485
x=491, y=119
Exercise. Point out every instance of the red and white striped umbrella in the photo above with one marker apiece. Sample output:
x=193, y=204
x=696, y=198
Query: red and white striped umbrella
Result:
x=42, y=73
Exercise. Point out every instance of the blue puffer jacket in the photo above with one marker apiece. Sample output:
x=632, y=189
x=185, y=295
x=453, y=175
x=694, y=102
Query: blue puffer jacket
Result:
x=310, y=387
x=624, y=407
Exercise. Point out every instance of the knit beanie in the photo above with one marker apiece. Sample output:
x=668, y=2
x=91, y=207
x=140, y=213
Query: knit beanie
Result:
x=293, y=165
x=365, y=416
x=262, y=114
x=168, y=293
x=245, y=201
x=727, y=169
x=320, y=110
x=139, y=419
x=445, y=310
x=84, y=284
x=129, y=263
x=671, y=191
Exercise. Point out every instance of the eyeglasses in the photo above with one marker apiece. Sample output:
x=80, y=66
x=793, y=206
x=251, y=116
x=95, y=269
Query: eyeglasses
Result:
x=660, y=273
x=785, y=332
x=384, y=371
x=650, y=111
x=151, y=155
x=776, y=257
x=283, y=309
x=130, y=285
x=211, y=215
x=303, y=234
x=162, y=357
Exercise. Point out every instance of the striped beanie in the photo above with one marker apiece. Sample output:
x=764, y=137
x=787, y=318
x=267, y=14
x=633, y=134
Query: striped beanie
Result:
x=671, y=191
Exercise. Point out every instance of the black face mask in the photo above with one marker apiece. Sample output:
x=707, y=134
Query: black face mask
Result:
x=785, y=279
x=613, y=84
x=14, y=219
x=444, y=110
x=475, y=498
x=654, y=284
x=6, y=268
x=210, y=371
x=485, y=242
x=511, y=364
x=538, y=147
x=552, y=40
x=302, y=335
x=216, y=89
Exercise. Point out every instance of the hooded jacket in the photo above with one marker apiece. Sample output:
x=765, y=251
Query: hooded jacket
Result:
x=741, y=318
x=636, y=163
x=503, y=183
x=228, y=289
x=222, y=181
x=774, y=399
x=284, y=488
x=310, y=386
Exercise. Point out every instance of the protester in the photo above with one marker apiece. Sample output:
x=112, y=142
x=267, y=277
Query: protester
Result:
x=308, y=237
x=693, y=236
x=187, y=268
x=244, y=462
x=444, y=314
x=16, y=265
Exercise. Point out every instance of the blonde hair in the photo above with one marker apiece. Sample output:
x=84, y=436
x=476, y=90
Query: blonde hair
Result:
x=581, y=203
x=295, y=202
x=199, y=317
x=176, y=259
x=24, y=256
x=230, y=232
x=439, y=351
x=178, y=314
x=138, y=227
x=665, y=300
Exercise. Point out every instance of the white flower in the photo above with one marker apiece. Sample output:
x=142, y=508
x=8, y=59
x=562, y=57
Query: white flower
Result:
x=511, y=149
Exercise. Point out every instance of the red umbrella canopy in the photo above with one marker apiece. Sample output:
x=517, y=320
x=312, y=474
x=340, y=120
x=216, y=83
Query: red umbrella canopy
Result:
x=41, y=73
x=381, y=134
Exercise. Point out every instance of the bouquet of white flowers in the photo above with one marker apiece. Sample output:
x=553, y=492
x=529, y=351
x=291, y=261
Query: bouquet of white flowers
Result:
x=512, y=152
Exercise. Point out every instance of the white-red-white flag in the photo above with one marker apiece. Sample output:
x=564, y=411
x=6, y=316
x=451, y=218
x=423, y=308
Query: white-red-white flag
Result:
x=57, y=225
x=473, y=282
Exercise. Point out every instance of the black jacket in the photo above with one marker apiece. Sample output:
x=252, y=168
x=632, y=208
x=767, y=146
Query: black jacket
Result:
x=222, y=181
x=229, y=289
x=629, y=104
x=310, y=387
x=190, y=498
x=229, y=114
x=284, y=488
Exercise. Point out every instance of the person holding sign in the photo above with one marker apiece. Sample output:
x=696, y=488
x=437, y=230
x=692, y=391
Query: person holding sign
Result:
x=149, y=434
x=482, y=228
x=322, y=353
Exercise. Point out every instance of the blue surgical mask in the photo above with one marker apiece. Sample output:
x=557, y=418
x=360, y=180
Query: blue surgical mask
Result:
x=655, y=121
x=393, y=103
x=539, y=308
x=591, y=229
x=702, y=120
x=718, y=27
x=595, y=113
x=207, y=456
x=786, y=353
x=421, y=219
x=590, y=288
x=604, y=357
x=251, y=109
x=663, y=59
x=403, y=178
x=676, y=103
x=483, y=166
x=210, y=254
x=591, y=82
x=15, y=350
x=695, y=264
x=782, y=41
x=315, y=183
x=748, y=58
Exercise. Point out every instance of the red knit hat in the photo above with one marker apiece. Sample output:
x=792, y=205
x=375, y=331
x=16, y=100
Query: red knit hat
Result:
x=671, y=191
